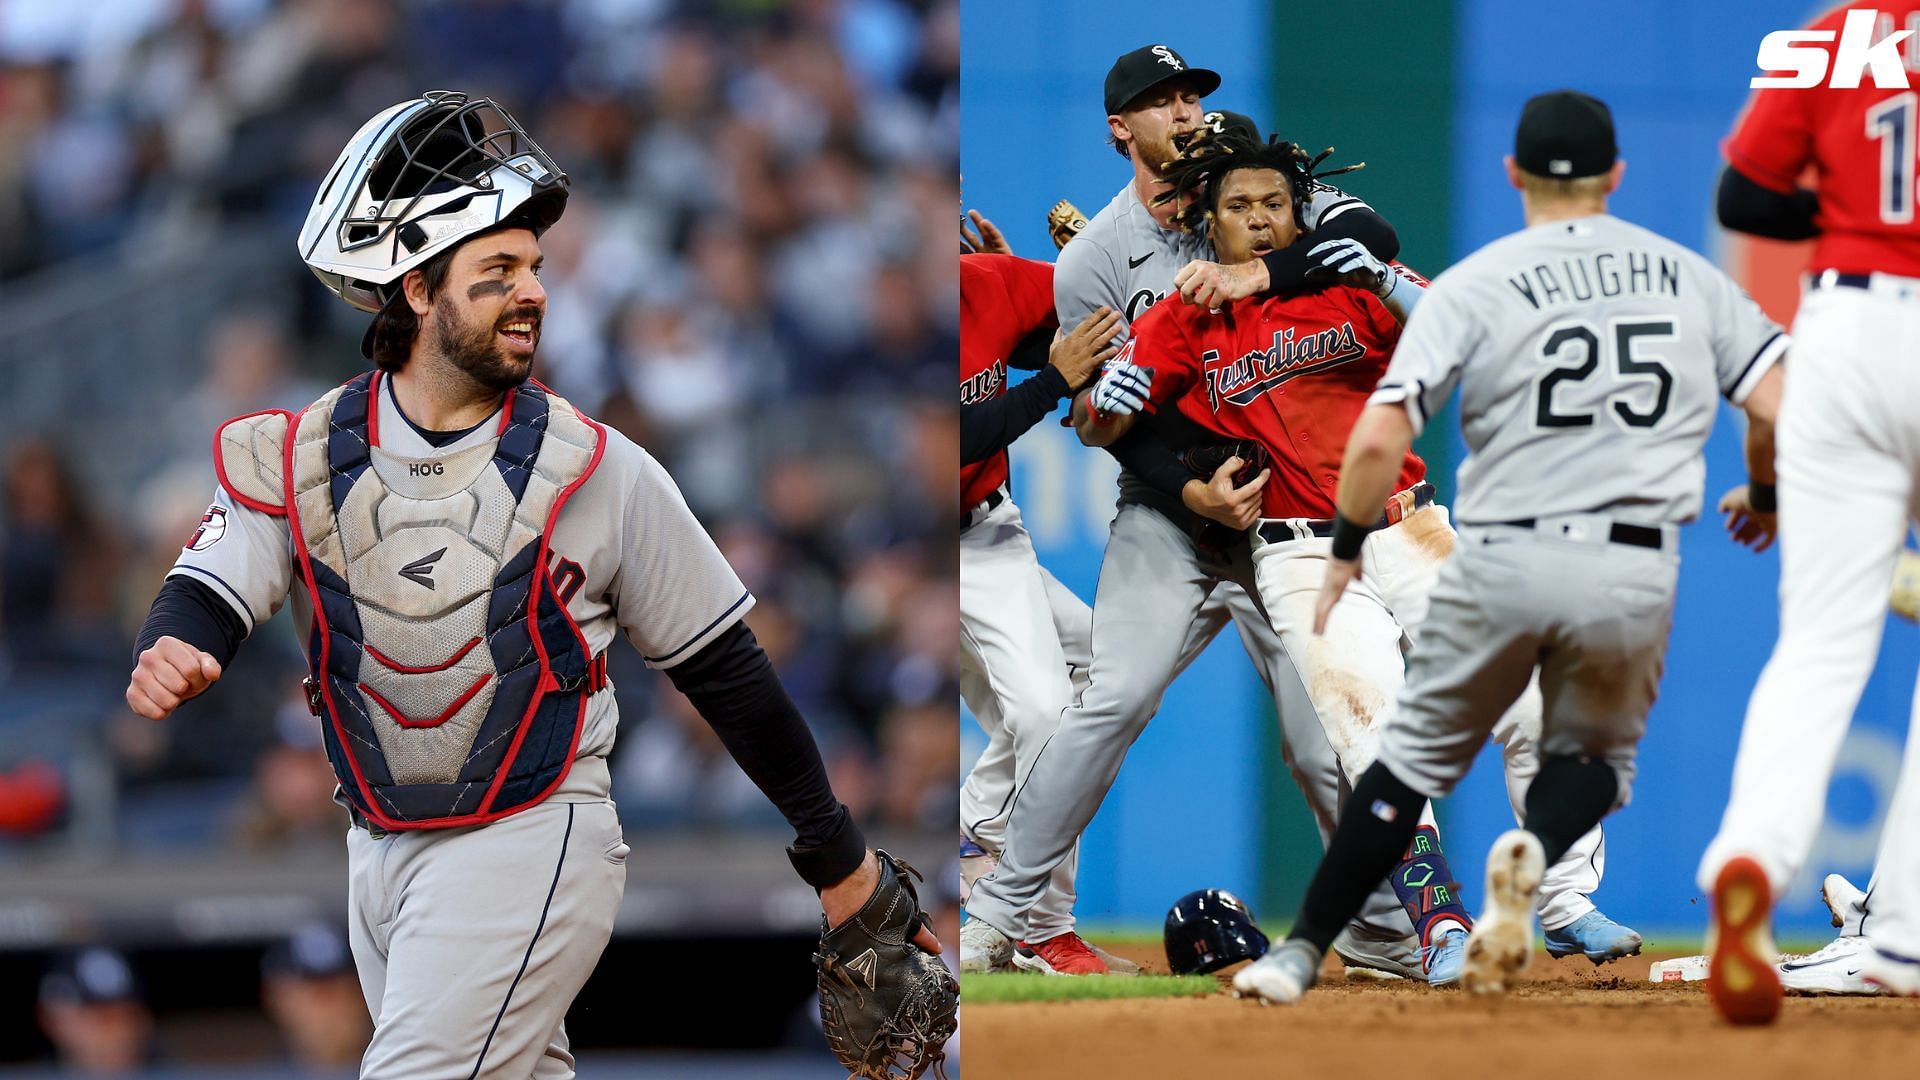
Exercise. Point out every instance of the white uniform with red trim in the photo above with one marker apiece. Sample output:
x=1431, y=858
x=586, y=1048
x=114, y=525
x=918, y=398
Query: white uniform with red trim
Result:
x=485, y=951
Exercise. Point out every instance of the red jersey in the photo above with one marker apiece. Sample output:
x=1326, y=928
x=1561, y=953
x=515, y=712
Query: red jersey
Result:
x=1292, y=373
x=1861, y=144
x=1003, y=298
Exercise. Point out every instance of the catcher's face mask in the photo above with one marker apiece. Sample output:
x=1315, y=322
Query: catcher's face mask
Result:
x=418, y=179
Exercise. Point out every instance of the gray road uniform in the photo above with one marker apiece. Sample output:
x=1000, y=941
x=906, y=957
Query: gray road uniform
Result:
x=1590, y=356
x=1160, y=601
x=458, y=932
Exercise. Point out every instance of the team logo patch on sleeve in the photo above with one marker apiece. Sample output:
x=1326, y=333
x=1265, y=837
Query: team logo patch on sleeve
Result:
x=213, y=526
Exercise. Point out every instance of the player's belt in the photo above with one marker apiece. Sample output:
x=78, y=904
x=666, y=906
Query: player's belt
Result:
x=1891, y=285
x=1401, y=506
x=983, y=508
x=1619, y=532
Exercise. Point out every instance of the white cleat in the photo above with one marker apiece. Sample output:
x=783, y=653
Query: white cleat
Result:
x=1892, y=974
x=1842, y=899
x=983, y=948
x=1838, y=968
x=1282, y=976
x=1369, y=957
x=1502, y=938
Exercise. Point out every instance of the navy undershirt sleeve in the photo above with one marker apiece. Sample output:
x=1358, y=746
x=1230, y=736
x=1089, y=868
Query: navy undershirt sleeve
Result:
x=191, y=611
x=732, y=684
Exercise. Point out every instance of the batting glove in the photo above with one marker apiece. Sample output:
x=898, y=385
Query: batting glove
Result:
x=1122, y=388
x=1349, y=256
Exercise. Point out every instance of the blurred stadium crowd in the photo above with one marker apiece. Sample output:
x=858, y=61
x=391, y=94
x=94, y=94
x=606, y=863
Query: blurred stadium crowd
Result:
x=754, y=279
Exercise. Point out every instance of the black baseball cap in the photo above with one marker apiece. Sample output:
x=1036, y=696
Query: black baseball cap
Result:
x=1225, y=122
x=1565, y=135
x=1144, y=68
x=96, y=975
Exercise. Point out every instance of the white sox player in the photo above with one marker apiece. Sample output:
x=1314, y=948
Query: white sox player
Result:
x=461, y=547
x=1590, y=355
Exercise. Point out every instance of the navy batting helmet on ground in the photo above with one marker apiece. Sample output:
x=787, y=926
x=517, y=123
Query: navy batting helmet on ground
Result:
x=1209, y=929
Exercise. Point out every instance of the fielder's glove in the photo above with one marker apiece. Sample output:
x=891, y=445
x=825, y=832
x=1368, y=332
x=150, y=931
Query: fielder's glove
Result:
x=1205, y=460
x=1122, y=388
x=1349, y=260
x=887, y=1006
x=1064, y=222
x=1905, y=600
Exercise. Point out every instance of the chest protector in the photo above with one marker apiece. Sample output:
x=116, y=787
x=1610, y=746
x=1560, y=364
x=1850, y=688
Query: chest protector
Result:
x=450, y=680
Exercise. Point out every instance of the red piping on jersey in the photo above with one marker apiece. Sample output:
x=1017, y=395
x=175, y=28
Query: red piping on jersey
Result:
x=409, y=669
x=373, y=408
x=544, y=580
x=506, y=409
x=220, y=462
x=403, y=721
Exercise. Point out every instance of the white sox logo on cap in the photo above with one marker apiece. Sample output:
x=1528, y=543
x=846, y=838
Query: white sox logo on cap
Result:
x=1166, y=57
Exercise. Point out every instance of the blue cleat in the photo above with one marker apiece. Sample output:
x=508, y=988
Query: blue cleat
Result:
x=1600, y=938
x=1446, y=956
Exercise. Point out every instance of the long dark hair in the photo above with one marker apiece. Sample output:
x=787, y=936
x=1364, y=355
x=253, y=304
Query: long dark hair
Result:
x=1200, y=169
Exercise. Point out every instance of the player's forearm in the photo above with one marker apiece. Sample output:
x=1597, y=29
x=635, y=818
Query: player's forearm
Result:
x=1371, y=466
x=1402, y=296
x=1762, y=407
x=1288, y=267
x=189, y=610
x=1142, y=452
x=988, y=427
x=1096, y=429
x=731, y=683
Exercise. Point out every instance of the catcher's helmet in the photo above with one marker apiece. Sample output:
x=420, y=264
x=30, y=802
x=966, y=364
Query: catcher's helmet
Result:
x=418, y=179
x=1209, y=929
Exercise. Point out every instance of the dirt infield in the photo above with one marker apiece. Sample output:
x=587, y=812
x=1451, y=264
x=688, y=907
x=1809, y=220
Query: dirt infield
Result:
x=1568, y=1020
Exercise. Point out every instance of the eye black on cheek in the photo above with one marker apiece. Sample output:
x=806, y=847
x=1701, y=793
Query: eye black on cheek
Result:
x=486, y=288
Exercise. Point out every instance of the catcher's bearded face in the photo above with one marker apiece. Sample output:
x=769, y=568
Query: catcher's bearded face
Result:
x=486, y=321
x=1155, y=123
x=1253, y=215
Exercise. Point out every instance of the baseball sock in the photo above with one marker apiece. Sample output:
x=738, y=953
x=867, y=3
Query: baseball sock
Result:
x=1567, y=799
x=1379, y=831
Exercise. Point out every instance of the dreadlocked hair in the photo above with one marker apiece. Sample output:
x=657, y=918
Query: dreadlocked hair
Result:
x=1196, y=175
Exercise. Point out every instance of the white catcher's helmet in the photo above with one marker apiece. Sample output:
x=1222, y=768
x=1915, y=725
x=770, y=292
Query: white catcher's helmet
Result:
x=418, y=179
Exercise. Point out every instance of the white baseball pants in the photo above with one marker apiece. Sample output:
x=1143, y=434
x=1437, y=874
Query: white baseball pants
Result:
x=1849, y=447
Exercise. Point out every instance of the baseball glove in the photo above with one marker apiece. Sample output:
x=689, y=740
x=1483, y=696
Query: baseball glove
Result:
x=1204, y=460
x=1905, y=600
x=1064, y=222
x=887, y=1006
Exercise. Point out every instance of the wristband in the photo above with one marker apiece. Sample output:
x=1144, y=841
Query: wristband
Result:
x=1347, y=537
x=1764, y=498
x=830, y=861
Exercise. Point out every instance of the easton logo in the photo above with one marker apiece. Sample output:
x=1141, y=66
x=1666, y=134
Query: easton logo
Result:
x=1867, y=45
x=984, y=386
x=420, y=570
x=1245, y=380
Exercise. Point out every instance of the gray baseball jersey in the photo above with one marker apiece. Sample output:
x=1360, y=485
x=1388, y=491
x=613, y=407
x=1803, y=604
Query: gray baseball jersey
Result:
x=628, y=555
x=1590, y=355
x=1125, y=260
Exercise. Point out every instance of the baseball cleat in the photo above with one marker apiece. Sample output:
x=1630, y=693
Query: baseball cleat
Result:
x=1838, y=968
x=1370, y=957
x=1892, y=974
x=976, y=862
x=1066, y=954
x=1601, y=939
x=1742, y=981
x=1842, y=898
x=983, y=948
x=1282, y=976
x=1116, y=965
x=1445, y=954
x=1502, y=938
